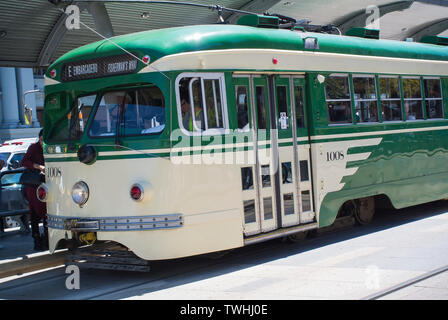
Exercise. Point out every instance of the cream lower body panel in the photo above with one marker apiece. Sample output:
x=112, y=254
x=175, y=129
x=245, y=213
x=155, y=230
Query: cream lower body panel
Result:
x=200, y=233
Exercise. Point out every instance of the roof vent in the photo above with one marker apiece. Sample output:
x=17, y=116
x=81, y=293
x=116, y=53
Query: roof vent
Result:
x=364, y=33
x=441, y=41
x=260, y=21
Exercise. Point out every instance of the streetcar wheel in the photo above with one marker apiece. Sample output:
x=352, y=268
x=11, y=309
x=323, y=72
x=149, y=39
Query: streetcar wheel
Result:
x=297, y=237
x=365, y=209
x=348, y=209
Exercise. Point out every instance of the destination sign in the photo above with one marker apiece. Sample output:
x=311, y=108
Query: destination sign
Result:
x=99, y=67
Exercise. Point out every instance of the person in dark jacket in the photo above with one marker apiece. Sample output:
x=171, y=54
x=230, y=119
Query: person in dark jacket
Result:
x=34, y=160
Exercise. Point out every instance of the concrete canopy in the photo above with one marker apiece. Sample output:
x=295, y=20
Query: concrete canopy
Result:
x=33, y=32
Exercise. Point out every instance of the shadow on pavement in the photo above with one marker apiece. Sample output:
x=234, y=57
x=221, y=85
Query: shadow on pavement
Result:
x=100, y=284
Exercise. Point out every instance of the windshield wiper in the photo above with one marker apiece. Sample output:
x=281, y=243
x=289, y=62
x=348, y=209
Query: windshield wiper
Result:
x=73, y=120
x=120, y=120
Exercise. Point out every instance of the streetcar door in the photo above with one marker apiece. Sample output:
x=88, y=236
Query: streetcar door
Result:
x=259, y=201
x=265, y=160
x=289, y=195
x=303, y=163
x=284, y=154
x=277, y=186
x=245, y=134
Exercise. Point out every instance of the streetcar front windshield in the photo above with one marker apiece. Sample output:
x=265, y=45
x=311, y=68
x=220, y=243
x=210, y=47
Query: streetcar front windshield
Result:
x=130, y=112
x=71, y=127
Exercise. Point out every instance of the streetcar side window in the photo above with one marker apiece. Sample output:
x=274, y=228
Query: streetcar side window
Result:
x=412, y=96
x=433, y=98
x=390, y=98
x=366, y=107
x=201, y=102
x=300, y=115
x=213, y=103
x=337, y=93
x=242, y=108
x=260, y=100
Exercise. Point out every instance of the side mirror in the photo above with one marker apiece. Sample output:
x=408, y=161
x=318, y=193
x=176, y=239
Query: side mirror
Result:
x=27, y=111
x=15, y=164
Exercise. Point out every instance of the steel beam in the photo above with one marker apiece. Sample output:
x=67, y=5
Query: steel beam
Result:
x=442, y=3
x=359, y=18
x=431, y=28
x=257, y=6
x=52, y=42
x=103, y=25
x=102, y=22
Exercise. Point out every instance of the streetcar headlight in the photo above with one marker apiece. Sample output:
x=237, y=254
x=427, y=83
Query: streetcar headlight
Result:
x=80, y=193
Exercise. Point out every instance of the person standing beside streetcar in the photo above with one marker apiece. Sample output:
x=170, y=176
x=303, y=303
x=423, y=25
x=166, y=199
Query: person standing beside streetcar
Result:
x=34, y=161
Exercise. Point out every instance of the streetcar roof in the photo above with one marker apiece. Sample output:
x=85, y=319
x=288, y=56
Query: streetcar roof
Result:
x=162, y=42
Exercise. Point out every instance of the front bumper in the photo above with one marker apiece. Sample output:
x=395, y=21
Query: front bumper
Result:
x=152, y=222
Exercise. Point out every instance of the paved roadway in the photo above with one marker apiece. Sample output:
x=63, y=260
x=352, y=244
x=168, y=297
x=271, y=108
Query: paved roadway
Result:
x=346, y=264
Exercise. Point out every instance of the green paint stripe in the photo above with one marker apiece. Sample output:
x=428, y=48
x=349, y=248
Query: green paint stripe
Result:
x=133, y=156
x=361, y=149
x=355, y=164
x=61, y=159
x=157, y=155
x=246, y=148
x=350, y=138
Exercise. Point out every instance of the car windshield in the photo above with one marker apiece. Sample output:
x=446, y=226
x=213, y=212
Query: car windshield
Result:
x=4, y=158
x=15, y=161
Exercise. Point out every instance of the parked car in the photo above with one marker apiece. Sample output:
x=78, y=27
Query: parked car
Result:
x=12, y=152
x=13, y=200
x=11, y=194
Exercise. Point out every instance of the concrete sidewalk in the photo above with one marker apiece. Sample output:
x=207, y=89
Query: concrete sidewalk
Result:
x=15, y=245
x=17, y=255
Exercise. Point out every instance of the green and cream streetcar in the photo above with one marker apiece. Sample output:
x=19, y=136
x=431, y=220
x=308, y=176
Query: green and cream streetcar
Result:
x=205, y=138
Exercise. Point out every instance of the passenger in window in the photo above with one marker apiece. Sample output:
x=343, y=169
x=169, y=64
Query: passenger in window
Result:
x=242, y=114
x=187, y=119
x=411, y=116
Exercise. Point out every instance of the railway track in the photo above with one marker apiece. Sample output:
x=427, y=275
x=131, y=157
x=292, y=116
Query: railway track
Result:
x=167, y=273
x=161, y=272
x=375, y=296
x=100, y=284
x=22, y=267
x=406, y=284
